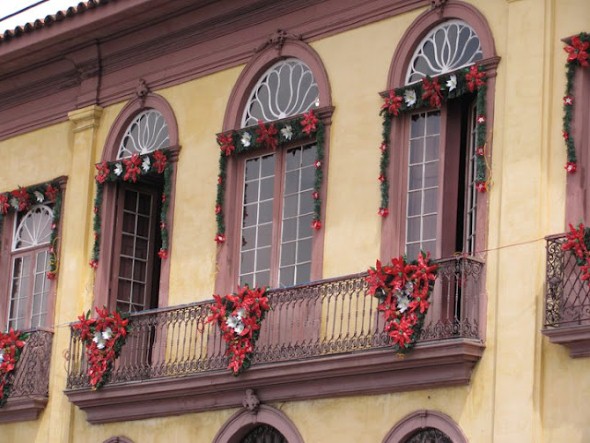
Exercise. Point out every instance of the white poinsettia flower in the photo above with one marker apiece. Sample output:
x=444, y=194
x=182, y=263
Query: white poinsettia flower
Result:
x=241, y=313
x=452, y=82
x=99, y=340
x=39, y=196
x=403, y=302
x=118, y=169
x=246, y=139
x=145, y=165
x=14, y=203
x=235, y=323
x=107, y=334
x=287, y=132
x=410, y=97
x=409, y=288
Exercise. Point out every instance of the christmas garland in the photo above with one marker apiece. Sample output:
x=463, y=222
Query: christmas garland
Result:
x=270, y=135
x=11, y=345
x=21, y=199
x=578, y=241
x=578, y=55
x=403, y=290
x=239, y=317
x=103, y=338
x=431, y=93
x=130, y=170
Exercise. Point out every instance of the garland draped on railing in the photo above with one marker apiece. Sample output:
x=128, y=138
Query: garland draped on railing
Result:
x=239, y=317
x=432, y=93
x=403, y=290
x=578, y=241
x=11, y=345
x=578, y=55
x=271, y=135
x=104, y=338
x=130, y=170
x=21, y=199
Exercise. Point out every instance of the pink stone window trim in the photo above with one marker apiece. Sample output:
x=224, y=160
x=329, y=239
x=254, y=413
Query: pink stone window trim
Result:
x=110, y=151
x=407, y=426
x=229, y=253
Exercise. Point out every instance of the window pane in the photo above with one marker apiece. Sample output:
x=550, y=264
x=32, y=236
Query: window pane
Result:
x=289, y=229
x=431, y=174
x=304, y=251
x=417, y=126
x=263, y=259
x=432, y=148
x=413, y=229
x=251, y=192
x=414, y=203
x=430, y=201
x=252, y=169
x=264, y=235
x=415, y=177
x=291, y=182
x=267, y=188
x=265, y=215
x=268, y=166
x=416, y=151
x=250, y=215
x=291, y=206
x=248, y=238
x=303, y=274
x=287, y=276
x=288, y=253
x=307, y=177
x=247, y=262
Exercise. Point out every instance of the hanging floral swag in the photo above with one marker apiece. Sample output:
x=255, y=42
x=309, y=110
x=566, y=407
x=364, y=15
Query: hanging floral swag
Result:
x=130, y=170
x=432, y=93
x=403, y=290
x=578, y=55
x=578, y=241
x=11, y=346
x=239, y=317
x=103, y=338
x=21, y=200
x=270, y=136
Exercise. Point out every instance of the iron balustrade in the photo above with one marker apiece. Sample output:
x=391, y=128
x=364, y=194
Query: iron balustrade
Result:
x=30, y=378
x=567, y=297
x=328, y=317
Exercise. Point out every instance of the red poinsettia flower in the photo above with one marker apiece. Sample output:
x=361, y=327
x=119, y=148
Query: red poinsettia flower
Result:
x=226, y=143
x=316, y=225
x=160, y=161
x=392, y=104
x=480, y=151
x=315, y=195
x=568, y=100
x=132, y=170
x=93, y=264
x=383, y=147
x=431, y=92
x=218, y=209
x=4, y=205
x=577, y=51
x=383, y=212
x=475, y=78
x=317, y=164
x=51, y=275
x=163, y=254
x=103, y=172
x=309, y=122
x=481, y=119
x=51, y=192
x=566, y=135
x=571, y=167
x=22, y=197
x=481, y=186
x=267, y=136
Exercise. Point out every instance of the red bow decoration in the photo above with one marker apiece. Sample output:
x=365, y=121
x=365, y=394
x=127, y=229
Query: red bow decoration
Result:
x=267, y=136
x=132, y=168
x=475, y=78
x=577, y=51
x=431, y=92
x=226, y=144
x=392, y=104
x=309, y=122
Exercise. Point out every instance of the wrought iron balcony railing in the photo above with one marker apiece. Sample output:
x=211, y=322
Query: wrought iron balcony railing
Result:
x=567, y=300
x=310, y=327
x=29, y=385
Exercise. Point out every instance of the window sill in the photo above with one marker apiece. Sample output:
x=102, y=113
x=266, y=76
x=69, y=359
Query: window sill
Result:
x=575, y=338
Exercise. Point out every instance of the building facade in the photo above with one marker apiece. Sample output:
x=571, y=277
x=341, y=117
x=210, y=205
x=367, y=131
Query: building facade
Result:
x=155, y=153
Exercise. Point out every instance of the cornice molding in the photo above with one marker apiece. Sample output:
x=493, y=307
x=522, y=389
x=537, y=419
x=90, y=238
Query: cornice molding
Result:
x=205, y=39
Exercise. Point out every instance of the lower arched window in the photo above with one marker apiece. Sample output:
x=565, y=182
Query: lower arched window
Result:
x=429, y=435
x=264, y=434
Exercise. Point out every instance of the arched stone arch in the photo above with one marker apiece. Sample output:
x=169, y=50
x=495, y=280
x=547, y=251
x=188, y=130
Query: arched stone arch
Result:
x=128, y=113
x=425, y=419
x=260, y=63
x=244, y=421
x=453, y=9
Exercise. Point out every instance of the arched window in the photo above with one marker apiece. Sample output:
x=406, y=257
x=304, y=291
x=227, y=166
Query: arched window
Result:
x=273, y=198
x=29, y=286
x=133, y=272
x=447, y=47
x=264, y=434
x=426, y=427
x=434, y=150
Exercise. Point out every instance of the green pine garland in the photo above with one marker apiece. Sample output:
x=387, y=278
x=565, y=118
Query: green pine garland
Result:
x=21, y=199
x=418, y=96
x=579, y=53
x=130, y=169
x=280, y=132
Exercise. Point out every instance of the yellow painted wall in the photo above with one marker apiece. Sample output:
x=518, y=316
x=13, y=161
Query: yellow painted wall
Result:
x=523, y=390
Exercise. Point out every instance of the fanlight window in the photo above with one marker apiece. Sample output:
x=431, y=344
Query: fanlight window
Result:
x=429, y=435
x=34, y=229
x=449, y=46
x=287, y=88
x=146, y=133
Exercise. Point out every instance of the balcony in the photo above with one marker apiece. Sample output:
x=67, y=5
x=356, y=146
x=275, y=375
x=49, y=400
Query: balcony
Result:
x=567, y=300
x=30, y=382
x=320, y=340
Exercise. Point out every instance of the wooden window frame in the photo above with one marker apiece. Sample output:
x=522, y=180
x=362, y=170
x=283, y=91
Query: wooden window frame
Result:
x=228, y=256
x=102, y=286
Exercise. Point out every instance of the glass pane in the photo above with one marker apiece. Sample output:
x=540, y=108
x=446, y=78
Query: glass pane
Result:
x=126, y=268
x=287, y=276
x=265, y=215
x=129, y=222
x=303, y=273
x=130, y=200
x=432, y=144
x=291, y=206
x=416, y=151
x=262, y=259
x=414, y=203
x=306, y=202
x=417, y=126
x=141, y=248
x=305, y=226
x=144, y=204
x=430, y=201
x=139, y=271
x=309, y=155
x=289, y=229
x=412, y=251
x=146, y=133
x=433, y=123
x=252, y=169
x=293, y=159
x=262, y=278
x=267, y=188
x=431, y=174
x=304, y=251
x=307, y=177
x=138, y=294
x=268, y=166
x=292, y=182
x=429, y=227
x=413, y=228
x=248, y=238
x=143, y=226
x=247, y=262
x=250, y=215
x=264, y=235
x=288, y=254
x=415, y=177
x=250, y=192
x=127, y=245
